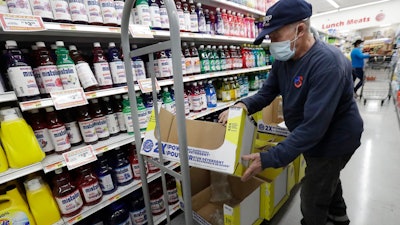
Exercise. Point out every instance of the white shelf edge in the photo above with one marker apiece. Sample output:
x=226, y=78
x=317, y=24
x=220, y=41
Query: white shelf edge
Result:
x=12, y=174
x=110, y=198
x=8, y=96
x=36, y=104
x=172, y=209
x=60, y=222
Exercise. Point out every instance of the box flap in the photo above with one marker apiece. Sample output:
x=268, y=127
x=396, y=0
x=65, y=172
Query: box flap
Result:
x=166, y=120
x=200, y=179
x=240, y=190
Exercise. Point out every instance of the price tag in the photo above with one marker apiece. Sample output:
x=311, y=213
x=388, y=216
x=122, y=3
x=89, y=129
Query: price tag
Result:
x=67, y=26
x=30, y=105
x=114, y=29
x=68, y=98
x=142, y=31
x=75, y=219
x=102, y=149
x=115, y=198
x=23, y=23
x=145, y=85
x=79, y=157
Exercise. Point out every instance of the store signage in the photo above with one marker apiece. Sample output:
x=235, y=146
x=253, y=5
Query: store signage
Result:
x=146, y=86
x=68, y=98
x=79, y=157
x=343, y=23
x=21, y=23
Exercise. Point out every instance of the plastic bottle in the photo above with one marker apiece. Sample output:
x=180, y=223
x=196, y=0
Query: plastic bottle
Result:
x=233, y=87
x=108, y=12
x=141, y=112
x=42, y=134
x=99, y=119
x=211, y=95
x=67, y=195
x=163, y=65
x=101, y=67
x=111, y=117
x=222, y=58
x=134, y=161
x=143, y=12
x=85, y=74
x=151, y=167
x=188, y=59
x=194, y=19
x=181, y=16
x=122, y=169
x=226, y=91
x=228, y=59
x=219, y=23
x=157, y=203
x=169, y=103
x=88, y=186
x=202, y=19
x=118, y=214
x=61, y=11
x=41, y=202
x=86, y=125
x=155, y=15
x=71, y=124
x=217, y=60
x=168, y=52
x=186, y=15
x=19, y=7
x=118, y=109
x=237, y=87
x=127, y=114
x=138, y=66
x=3, y=161
x=171, y=190
x=20, y=74
x=36, y=74
x=204, y=60
x=42, y=8
x=66, y=67
x=137, y=209
x=208, y=21
x=58, y=131
x=107, y=181
x=94, y=12
x=225, y=21
x=116, y=66
x=203, y=96
x=119, y=7
x=48, y=70
x=13, y=208
x=163, y=15
x=195, y=59
x=183, y=62
x=211, y=58
x=235, y=26
x=148, y=103
x=78, y=11
x=195, y=98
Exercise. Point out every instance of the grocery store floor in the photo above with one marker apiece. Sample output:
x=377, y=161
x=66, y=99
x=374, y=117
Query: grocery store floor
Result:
x=371, y=179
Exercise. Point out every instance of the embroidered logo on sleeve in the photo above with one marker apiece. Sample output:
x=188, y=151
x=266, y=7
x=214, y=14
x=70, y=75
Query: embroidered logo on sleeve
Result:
x=298, y=81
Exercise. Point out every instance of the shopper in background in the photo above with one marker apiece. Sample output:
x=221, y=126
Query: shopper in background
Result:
x=315, y=81
x=357, y=62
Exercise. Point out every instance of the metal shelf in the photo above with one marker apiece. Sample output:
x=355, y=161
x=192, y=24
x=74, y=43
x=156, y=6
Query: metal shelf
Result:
x=8, y=97
x=110, y=198
x=172, y=209
x=232, y=6
x=12, y=174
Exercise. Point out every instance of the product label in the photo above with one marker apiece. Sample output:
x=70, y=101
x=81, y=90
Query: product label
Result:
x=51, y=78
x=103, y=73
x=203, y=101
x=220, y=27
x=128, y=122
x=60, y=138
x=187, y=21
x=119, y=7
x=136, y=170
x=106, y=183
x=181, y=20
x=212, y=65
x=39, y=81
x=188, y=65
x=94, y=11
x=69, y=203
x=92, y=192
x=172, y=195
x=138, y=67
x=44, y=140
x=155, y=16
x=164, y=18
x=139, y=217
x=19, y=7
x=108, y=11
x=14, y=217
x=73, y=132
x=187, y=105
x=69, y=76
x=118, y=72
x=183, y=62
x=194, y=23
x=142, y=114
x=157, y=205
x=164, y=67
x=196, y=103
x=226, y=95
x=202, y=24
x=223, y=65
x=100, y=124
x=126, y=222
x=196, y=64
x=205, y=65
x=42, y=8
x=135, y=16
x=170, y=106
x=217, y=63
x=61, y=10
x=88, y=131
x=123, y=174
x=85, y=75
x=143, y=11
x=78, y=11
x=112, y=123
x=212, y=99
x=23, y=81
x=121, y=121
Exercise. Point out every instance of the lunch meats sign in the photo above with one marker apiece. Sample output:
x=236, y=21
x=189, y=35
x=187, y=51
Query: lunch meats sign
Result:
x=359, y=18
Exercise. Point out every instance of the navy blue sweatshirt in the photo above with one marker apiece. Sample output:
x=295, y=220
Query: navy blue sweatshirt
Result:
x=318, y=106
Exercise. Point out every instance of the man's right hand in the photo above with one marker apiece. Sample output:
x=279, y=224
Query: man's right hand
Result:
x=223, y=117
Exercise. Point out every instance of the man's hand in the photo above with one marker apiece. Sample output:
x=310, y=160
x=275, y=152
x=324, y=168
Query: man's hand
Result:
x=223, y=117
x=254, y=168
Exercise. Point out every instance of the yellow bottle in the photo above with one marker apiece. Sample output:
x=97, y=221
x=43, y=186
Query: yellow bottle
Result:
x=226, y=91
x=3, y=161
x=19, y=141
x=13, y=209
x=41, y=202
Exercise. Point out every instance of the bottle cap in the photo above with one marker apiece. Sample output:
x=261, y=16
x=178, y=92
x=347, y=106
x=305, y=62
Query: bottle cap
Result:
x=58, y=171
x=33, y=184
x=34, y=111
x=49, y=109
x=137, y=94
x=94, y=100
x=72, y=48
x=111, y=45
x=125, y=97
x=96, y=44
x=217, y=9
x=40, y=44
x=11, y=43
x=134, y=46
x=106, y=99
x=199, y=4
x=9, y=117
x=53, y=46
x=59, y=43
x=117, y=96
x=165, y=89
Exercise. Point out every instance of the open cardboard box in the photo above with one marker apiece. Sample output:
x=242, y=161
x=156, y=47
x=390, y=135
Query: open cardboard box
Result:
x=243, y=209
x=211, y=146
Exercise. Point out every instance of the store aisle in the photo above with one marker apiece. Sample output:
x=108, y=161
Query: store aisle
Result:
x=371, y=179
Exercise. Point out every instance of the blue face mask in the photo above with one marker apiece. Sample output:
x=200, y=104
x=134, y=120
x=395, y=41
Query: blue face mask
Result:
x=361, y=47
x=281, y=50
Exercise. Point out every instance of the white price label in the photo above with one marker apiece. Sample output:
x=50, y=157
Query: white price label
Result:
x=142, y=31
x=68, y=98
x=146, y=86
x=79, y=157
x=15, y=22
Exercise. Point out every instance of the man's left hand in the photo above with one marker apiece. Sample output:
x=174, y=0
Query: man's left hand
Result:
x=254, y=168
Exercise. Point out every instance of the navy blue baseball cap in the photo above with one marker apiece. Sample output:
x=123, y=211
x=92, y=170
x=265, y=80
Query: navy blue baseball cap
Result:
x=282, y=13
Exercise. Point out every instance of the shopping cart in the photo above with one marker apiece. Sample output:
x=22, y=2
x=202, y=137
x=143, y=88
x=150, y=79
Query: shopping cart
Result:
x=377, y=80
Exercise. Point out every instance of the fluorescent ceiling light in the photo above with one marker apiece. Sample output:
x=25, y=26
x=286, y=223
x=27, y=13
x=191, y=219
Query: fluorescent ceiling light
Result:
x=333, y=3
x=349, y=8
x=385, y=25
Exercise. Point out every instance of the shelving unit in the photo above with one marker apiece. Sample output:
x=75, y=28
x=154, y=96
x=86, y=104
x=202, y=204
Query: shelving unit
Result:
x=12, y=174
x=8, y=97
x=229, y=5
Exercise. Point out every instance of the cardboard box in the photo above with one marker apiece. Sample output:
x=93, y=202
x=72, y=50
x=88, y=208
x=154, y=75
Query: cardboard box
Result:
x=244, y=209
x=211, y=146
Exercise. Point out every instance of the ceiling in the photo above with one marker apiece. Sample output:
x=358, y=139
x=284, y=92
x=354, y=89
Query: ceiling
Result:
x=320, y=6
